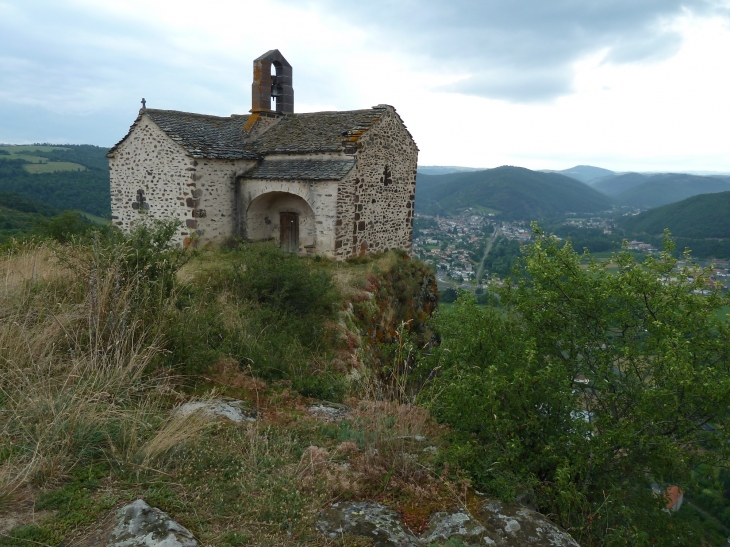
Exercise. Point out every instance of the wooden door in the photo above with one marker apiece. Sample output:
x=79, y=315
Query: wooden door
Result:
x=289, y=232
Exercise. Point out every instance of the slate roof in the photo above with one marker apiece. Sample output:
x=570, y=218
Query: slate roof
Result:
x=217, y=137
x=316, y=131
x=301, y=169
x=201, y=135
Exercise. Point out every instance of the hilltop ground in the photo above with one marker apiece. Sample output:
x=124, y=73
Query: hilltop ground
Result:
x=100, y=342
x=331, y=369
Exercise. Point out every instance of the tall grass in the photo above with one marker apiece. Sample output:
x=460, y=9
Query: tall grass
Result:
x=77, y=332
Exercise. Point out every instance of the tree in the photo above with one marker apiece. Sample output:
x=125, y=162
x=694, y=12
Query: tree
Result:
x=587, y=387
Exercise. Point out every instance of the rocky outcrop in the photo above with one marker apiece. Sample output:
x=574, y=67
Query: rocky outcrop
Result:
x=366, y=519
x=218, y=408
x=460, y=525
x=496, y=524
x=140, y=525
x=513, y=526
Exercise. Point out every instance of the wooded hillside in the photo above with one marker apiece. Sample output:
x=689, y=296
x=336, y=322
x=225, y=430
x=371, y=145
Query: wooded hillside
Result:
x=63, y=177
x=510, y=192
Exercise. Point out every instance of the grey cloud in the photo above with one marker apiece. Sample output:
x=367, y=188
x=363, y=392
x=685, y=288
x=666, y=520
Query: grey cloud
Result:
x=507, y=83
x=67, y=73
x=521, y=51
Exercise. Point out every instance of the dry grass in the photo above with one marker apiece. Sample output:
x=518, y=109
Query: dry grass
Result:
x=76, y=345
x=28, y=262
x=72, y=358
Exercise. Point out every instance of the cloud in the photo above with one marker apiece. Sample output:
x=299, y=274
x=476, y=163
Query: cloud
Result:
x=76, y=70
x=521, y=51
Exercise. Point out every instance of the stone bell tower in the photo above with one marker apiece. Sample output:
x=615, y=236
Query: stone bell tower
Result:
x=267, y=86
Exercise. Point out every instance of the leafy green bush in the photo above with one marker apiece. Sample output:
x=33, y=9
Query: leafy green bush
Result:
x=585, y=388
x=266, y=310
x=64, y=227
x=285, y=282
x=149, y=252
x=448, y=296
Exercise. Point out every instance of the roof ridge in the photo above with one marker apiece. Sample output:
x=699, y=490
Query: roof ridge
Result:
x=165, y=111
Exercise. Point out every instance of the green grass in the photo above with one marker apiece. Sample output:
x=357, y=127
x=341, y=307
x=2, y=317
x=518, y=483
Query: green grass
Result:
x=481, y=209
x=605, y=256
x=79, y=503
x=25, y=157
x=101, y=221
x=53, y=167
x=21, y=148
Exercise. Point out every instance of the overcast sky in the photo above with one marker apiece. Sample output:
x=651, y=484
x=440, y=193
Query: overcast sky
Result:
x=621, y=84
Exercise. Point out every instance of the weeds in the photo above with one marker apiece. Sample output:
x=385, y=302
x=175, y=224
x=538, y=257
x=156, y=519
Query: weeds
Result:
x=74, y=348
x=101, y=338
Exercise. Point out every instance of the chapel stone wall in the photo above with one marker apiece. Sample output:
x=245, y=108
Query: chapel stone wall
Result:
x=375, y=204
x=153, y=177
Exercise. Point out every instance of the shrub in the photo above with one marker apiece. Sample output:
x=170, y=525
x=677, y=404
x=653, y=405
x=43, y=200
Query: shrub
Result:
x=64, y=227
x=586, y=387
x=449, y=296
x=268, y=311
x=284, y=281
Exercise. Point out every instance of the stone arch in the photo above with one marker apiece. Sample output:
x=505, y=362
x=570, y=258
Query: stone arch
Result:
x=265, y=211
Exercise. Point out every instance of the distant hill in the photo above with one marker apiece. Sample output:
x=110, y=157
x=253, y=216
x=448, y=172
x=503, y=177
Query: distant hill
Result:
x=443, y=169
x=702, y=216
x=63, y=176
x=586, y=173
x=511, y=192
x=662, y=189
x=19, y=215
x=617, y=184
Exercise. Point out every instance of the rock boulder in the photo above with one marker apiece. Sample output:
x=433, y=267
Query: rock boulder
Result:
x=497, y=524
x=140, y=525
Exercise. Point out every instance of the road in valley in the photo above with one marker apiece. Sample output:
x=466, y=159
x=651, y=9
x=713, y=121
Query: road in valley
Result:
x=490, y=243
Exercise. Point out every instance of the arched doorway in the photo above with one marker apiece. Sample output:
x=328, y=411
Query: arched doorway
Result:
x=284, y=217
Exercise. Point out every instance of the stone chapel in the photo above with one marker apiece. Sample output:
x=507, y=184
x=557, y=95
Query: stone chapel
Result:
x=337, y=184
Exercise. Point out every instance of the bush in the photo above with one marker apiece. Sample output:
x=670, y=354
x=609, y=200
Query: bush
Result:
x=285, y=282
x=449, y=296
x=586, y=387
x=265, y=309
x=64, y=227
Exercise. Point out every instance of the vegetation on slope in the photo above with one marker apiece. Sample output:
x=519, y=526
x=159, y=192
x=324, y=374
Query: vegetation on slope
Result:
x=585, y=388
x=511, y=192
x=660, y=190
x=23, y=218
x=618, y=184
x=586, y=173
x=19, y=215
x=703, y=216
x=86, y=190
x=104, y=337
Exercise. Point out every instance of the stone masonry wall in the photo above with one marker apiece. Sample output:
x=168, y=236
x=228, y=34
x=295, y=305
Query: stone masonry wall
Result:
x=197, y=192
x=375, y=205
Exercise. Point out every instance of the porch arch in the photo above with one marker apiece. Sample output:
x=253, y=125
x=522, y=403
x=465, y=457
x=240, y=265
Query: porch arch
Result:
x=264, y=213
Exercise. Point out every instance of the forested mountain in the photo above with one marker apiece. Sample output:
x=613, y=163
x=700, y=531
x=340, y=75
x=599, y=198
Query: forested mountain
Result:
x=510, y=192
x=647, y=191
x=586, y=173
x=63, y=177
x=443, y=169
x=618, y=184
x=702, y=216
x=19, y=215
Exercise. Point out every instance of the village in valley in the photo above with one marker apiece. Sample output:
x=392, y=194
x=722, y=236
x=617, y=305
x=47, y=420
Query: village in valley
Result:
x=457, y=247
